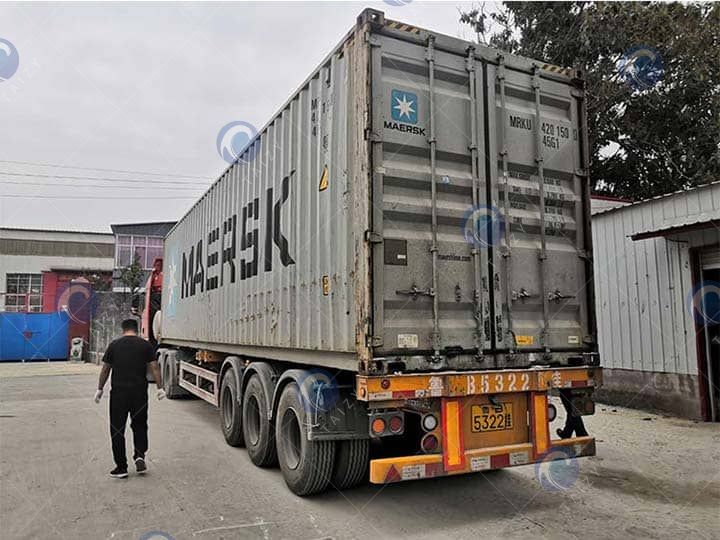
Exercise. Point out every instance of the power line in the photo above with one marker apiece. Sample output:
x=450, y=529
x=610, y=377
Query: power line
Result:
x=41, y=164
x=89, y=197
x=101, y=179
x=94, y=186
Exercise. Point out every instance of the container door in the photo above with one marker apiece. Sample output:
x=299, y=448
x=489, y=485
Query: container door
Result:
x=430, y=286
x=541, y=265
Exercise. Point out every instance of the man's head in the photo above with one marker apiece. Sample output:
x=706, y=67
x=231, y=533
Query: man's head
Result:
x=129, y=327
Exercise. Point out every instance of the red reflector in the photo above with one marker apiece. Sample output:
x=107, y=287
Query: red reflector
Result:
x=429, y=443
x=396, y=424
x=385, y=384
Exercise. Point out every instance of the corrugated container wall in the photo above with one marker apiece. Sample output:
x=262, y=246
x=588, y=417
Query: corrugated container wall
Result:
x=419, y=196
x=266, y=257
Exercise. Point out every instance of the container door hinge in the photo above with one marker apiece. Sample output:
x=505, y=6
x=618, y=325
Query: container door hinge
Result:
x=374, y=341
x=372, y=39
x=372, y=136
x=373, y=238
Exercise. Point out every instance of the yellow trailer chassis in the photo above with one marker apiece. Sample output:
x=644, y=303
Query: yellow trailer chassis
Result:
x=461, y=401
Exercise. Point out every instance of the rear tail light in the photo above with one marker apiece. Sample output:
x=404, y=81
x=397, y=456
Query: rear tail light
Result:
x=429, y=443
x=378, y=426
x=384, y=424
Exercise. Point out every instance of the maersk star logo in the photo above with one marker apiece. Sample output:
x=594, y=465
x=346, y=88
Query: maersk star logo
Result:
x=404, y=107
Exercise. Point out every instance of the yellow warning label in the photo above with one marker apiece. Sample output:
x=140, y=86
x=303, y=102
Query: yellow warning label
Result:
x=524, y=340
x=324, y=179
x=326, y=285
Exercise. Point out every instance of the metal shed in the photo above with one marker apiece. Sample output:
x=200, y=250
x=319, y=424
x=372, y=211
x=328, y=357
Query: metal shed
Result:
x=657, y=281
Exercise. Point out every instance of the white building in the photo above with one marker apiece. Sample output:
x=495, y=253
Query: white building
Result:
x=657, y=285
x=33, y=261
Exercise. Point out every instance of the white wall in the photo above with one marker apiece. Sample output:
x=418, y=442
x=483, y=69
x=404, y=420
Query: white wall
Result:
x=642, y=287
x=12, y=264
x=31, y=264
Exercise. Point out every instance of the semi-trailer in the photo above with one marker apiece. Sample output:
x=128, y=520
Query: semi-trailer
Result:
x=395, y=273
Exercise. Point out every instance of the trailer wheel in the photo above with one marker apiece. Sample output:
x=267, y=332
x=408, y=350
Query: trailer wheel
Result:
x=230, y=411
x=307, y=466
x=257, y=429
x=169, y=378
x=352, y=459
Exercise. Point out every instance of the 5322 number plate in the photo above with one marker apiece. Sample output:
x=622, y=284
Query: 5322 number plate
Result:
x=491, y=417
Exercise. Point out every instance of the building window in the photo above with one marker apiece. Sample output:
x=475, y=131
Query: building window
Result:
x=145, y=248
x=154, y=250
x=23, y=292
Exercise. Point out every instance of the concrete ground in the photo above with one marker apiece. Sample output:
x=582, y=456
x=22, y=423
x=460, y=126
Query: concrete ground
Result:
x=654, y=477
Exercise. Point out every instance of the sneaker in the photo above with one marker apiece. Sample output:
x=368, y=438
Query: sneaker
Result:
x=140, y=465
x=117, y=472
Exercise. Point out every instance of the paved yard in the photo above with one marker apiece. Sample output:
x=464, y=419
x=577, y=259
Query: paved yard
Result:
x=654, y=477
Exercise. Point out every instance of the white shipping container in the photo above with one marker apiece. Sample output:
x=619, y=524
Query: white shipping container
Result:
x=420, y=202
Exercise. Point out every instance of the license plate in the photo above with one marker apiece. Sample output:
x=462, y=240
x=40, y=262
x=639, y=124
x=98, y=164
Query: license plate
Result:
x=491, y=417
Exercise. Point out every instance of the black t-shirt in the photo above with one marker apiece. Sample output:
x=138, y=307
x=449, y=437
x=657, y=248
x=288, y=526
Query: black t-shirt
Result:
x=129, y=357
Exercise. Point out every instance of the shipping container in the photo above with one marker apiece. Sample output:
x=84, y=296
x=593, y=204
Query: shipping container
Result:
x=386, y=260
x=419, y=198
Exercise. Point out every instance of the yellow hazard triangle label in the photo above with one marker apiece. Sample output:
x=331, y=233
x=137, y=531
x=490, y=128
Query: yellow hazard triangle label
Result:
x=324, y=179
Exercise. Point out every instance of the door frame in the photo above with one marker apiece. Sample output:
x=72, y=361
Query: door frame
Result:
x=696, y=271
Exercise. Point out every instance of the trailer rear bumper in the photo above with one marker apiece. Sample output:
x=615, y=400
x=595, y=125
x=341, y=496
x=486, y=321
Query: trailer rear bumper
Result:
x=398, y=469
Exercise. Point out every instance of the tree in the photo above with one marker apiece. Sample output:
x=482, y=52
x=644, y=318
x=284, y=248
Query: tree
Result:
x=132, y=277
x=645, y=141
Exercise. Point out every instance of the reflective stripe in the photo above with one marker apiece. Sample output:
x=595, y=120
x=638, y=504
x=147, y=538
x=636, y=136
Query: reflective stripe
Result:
x=541, y=428
x=453, y=451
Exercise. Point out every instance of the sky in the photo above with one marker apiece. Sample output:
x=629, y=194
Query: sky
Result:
x=148, y=88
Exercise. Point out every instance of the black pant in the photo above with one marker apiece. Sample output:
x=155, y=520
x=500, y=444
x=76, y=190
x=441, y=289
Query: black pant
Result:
x=132, y=401
x=573, y=422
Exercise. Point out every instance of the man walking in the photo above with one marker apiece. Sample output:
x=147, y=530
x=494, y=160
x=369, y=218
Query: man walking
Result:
x=128, y=358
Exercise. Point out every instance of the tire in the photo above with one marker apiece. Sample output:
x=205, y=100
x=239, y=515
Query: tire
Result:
x=172, y=389
x=352, y=459
x=257, y=429
x=230, y=410
x=307, y=466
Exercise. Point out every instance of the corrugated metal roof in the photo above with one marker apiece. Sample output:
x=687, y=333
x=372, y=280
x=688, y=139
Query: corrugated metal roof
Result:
x=66, y=231
x=691, y=224
x=680, y=192
x=157, y=228
x=683, y=209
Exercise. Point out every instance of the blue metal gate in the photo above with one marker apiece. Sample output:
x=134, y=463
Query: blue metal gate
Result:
x=34, y=336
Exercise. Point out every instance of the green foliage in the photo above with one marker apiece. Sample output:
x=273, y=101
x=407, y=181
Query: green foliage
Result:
x=133, y=276
x=644, y=142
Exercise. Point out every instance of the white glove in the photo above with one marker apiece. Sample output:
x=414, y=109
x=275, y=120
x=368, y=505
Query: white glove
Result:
x=98, y=396
x=161, y=394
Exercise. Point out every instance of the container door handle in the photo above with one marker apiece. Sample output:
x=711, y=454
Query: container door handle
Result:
x=415, y=292
x=556, y=296
x=522, y=294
